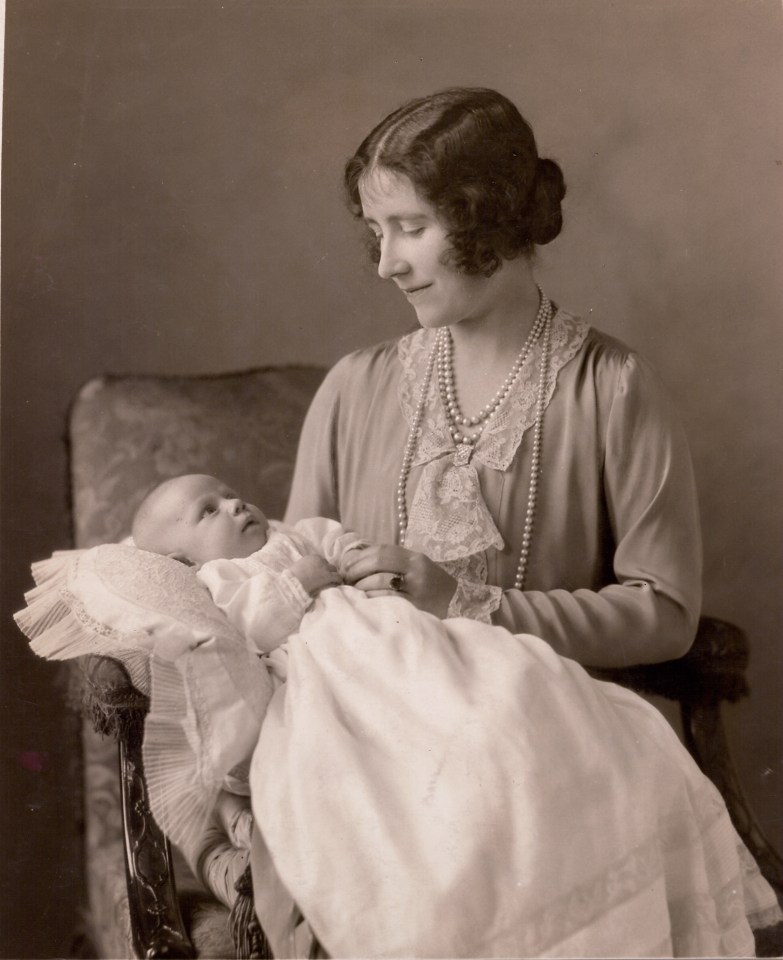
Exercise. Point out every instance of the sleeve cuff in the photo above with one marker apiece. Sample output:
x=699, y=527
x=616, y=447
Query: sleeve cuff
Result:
x=297, y=594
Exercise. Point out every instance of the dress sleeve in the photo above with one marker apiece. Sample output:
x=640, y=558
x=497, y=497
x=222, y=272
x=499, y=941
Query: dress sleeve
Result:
x=650, y=614
x=265, y=606
x=314, y=489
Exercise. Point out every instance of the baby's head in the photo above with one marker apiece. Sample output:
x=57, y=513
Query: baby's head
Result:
x=195, y=518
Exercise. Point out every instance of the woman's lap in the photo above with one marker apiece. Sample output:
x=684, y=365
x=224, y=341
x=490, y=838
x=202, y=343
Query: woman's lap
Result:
x=414, y=769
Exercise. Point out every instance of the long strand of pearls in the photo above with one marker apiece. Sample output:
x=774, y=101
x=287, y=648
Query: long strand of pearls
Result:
x=535, y=460
x=542, y=327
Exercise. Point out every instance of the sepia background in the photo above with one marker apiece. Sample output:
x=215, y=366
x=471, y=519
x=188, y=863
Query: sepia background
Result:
x=172, y=204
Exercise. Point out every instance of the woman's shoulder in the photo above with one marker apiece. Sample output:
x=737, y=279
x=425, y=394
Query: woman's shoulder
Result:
x=617, y=369
x=368, y=357
x=609, y=356
x=364, y=364
x=606, y=349
x=582, y=353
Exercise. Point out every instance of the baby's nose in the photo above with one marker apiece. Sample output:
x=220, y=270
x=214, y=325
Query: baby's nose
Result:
x=236, y=506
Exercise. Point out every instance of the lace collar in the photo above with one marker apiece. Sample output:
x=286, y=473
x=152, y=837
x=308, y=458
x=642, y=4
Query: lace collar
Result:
x=449, y=519
x=501, y=438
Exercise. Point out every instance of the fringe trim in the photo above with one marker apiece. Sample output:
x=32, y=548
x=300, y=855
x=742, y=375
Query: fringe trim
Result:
x=120, y=722
x=250, y=942
x=115, y=709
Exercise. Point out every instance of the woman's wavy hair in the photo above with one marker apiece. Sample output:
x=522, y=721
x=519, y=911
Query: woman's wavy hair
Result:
x=471, y=154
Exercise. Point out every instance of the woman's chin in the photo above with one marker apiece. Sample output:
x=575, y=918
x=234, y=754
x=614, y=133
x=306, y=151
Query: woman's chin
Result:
x=430, y=320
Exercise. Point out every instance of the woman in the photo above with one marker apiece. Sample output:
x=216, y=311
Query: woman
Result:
x=521, y=467
x=442, y=787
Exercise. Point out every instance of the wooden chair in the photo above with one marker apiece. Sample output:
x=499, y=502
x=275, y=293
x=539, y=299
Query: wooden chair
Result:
x=127, y=433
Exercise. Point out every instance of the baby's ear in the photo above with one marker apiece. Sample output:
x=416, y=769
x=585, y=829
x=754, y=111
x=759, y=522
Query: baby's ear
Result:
x=176, y=555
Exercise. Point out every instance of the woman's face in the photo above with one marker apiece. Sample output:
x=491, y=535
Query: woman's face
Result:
x=414, y=249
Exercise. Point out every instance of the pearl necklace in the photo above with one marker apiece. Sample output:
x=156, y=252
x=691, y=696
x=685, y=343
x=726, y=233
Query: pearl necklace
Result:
x=457, y=420
x=545, y=329
x=535, y=460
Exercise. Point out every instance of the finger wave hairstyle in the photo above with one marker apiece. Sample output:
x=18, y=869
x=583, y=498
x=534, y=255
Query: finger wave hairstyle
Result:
x=471, y=154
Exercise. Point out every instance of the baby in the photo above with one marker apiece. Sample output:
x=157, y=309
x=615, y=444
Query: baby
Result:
x=262, y=573
x=403, y=755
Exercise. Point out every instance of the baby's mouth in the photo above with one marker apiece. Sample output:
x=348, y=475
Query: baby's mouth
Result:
x=249, y=523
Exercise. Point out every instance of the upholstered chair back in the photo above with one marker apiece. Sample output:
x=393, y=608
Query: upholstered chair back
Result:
x=126, y=434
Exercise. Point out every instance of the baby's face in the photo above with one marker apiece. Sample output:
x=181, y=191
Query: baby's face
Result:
x=199, y=518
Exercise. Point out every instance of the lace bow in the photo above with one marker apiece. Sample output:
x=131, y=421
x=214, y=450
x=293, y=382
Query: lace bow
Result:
x=448, y=517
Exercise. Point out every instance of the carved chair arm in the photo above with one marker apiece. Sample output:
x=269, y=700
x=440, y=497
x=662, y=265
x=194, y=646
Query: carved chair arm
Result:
x=713, y=669
x=118, y=709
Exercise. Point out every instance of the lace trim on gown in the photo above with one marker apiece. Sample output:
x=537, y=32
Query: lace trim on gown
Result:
x=448, y=517
x=118, y=601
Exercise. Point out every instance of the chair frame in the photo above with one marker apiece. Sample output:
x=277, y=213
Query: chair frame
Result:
x=118, y=709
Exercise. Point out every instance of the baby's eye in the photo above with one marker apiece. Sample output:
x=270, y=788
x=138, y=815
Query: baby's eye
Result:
x=207, y=510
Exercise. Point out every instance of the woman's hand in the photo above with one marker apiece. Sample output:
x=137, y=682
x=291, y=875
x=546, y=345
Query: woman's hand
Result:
x=380, y=569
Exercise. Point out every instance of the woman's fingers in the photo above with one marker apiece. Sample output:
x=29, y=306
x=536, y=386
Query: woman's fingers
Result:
x=379, y=570
x=383, y=582
x=388, y=559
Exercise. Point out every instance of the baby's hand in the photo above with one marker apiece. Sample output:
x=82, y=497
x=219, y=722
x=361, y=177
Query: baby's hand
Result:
x=315, y=574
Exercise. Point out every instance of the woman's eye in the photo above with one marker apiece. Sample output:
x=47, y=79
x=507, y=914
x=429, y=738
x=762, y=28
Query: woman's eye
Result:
x=413, y=231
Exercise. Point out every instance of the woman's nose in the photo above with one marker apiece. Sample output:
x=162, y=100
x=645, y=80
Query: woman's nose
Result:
x=390, y=263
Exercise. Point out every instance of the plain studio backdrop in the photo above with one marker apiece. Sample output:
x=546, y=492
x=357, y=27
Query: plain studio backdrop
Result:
x=172, y=204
